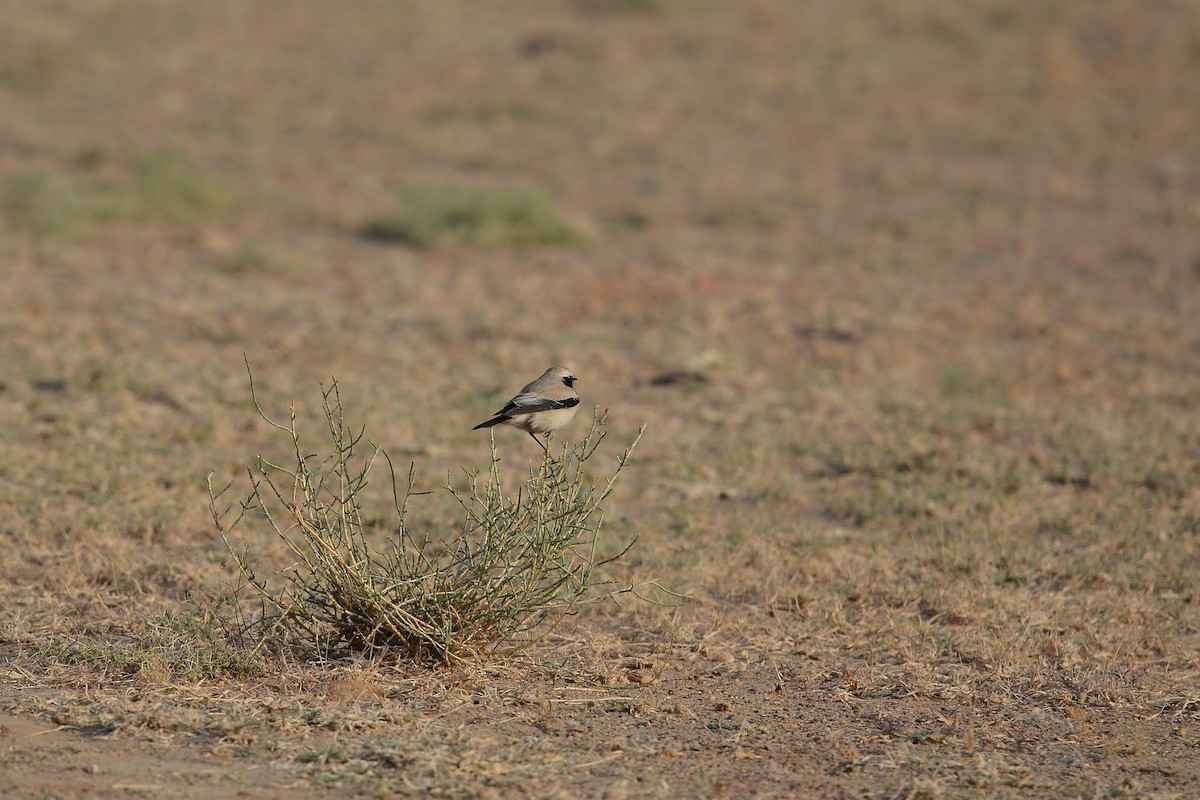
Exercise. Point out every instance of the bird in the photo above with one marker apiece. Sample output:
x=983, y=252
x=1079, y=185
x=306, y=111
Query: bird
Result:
x=541, y=407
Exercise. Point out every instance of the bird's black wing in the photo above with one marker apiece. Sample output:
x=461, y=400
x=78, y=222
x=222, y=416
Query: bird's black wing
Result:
x=529, y=403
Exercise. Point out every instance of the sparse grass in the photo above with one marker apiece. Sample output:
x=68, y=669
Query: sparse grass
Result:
x=479, y=216
x=191, y=645
x=57, y=205
x=519, y=563
x=937, y=506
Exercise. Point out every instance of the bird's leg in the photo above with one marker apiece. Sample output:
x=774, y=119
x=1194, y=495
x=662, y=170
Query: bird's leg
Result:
x=539, y=443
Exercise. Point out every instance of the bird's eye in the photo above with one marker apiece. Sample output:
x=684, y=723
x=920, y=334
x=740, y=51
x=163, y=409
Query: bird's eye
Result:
x=569, y=380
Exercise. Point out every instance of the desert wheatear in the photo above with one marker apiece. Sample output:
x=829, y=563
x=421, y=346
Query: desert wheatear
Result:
x=543, y=406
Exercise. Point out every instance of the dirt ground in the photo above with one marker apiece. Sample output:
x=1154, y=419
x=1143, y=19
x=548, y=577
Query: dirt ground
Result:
x=906, y=293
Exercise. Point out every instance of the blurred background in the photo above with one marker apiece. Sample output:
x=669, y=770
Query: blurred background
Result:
x=907, y=293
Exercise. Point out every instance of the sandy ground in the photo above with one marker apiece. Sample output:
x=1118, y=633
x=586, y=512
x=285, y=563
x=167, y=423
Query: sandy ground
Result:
x=926, y=276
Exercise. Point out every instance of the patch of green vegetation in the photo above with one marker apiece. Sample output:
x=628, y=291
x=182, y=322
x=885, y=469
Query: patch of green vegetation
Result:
x=253, y=256
x=165, y=187
x=955, y=383
x=48, y=205
x=55, y=205
x=480, y=216
x=190, y=646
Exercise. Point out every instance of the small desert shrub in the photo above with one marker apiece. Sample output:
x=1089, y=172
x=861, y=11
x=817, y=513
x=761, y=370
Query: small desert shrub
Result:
x=437, y=213
x=518, y=564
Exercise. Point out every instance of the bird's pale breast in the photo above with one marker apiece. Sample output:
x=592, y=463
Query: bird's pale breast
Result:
x=543, y=421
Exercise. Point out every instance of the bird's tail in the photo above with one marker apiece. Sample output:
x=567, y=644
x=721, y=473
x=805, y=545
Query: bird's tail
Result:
x=490, y=423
